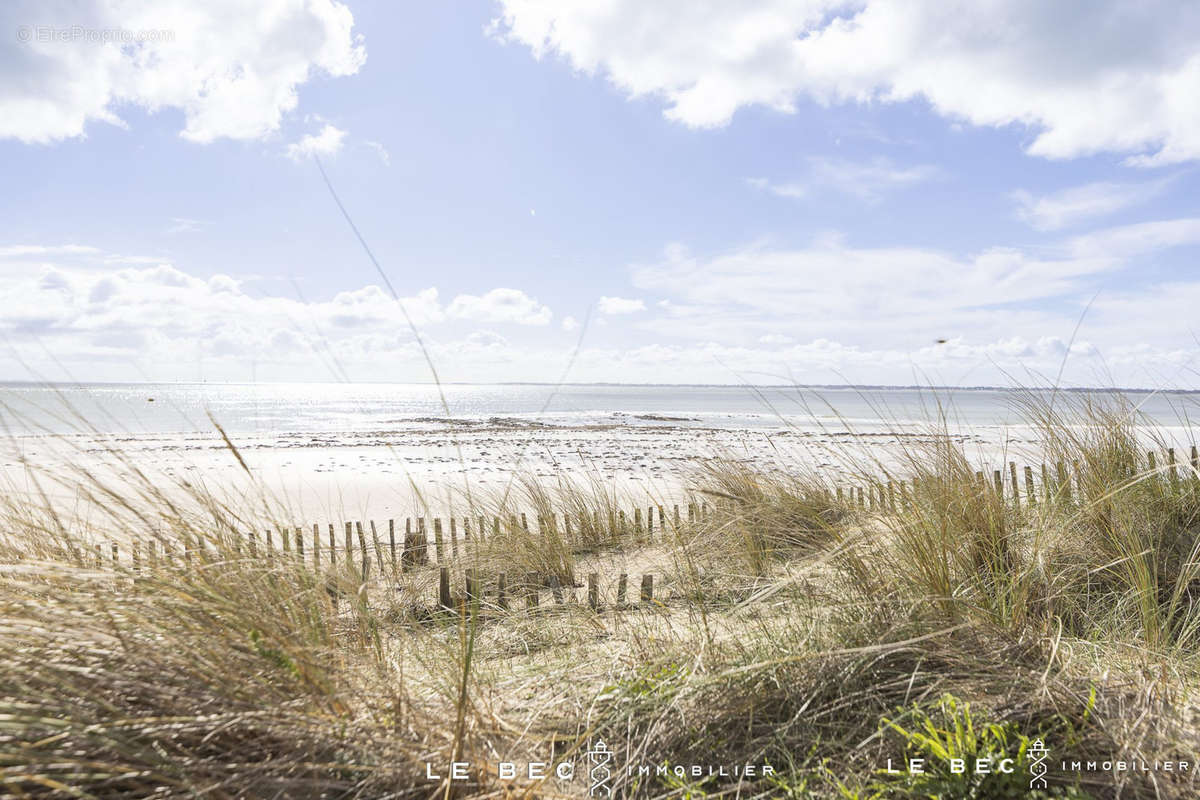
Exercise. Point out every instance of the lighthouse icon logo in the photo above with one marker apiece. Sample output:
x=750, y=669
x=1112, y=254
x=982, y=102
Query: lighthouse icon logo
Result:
x=1037, y=753
x=598, y=759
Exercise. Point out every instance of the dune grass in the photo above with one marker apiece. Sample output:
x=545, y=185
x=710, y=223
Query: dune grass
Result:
x=791, y=628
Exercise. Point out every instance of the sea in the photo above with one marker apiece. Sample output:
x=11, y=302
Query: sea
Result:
x=280, y=408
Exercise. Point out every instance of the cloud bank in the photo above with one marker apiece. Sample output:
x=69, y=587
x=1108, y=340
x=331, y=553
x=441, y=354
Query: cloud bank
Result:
x=1104, y=76
x=233, y=69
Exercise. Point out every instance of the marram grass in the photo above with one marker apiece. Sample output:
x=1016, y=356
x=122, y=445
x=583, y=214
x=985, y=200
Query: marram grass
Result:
x=789, y=628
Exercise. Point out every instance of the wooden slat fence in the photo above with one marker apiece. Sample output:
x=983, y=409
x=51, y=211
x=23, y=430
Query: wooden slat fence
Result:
x=395, y=552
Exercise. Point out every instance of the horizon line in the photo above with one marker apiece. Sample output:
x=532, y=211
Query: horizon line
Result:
x=860, y=386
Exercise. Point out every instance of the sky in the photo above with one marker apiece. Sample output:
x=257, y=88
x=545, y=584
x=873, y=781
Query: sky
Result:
x=769, y=191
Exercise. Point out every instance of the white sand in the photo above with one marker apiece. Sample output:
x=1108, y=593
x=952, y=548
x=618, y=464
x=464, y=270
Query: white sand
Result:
x=333, y=477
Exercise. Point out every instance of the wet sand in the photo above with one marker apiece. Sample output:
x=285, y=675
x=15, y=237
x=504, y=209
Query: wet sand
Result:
x=335, y=476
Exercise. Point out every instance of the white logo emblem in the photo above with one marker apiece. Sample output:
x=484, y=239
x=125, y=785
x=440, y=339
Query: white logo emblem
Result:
x=599, y=757
x=1037, y=753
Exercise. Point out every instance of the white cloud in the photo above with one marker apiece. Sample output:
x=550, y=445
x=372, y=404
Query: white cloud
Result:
x=865, y=180
x=905, y=296
x=92, y=317
x=232, y=68
x=1103, y=76
x=830, y=312
x=1076, y=204
x=620, y=305
x=327, y=142
x=380, y=151
x=570, y=324
x=500, y=305
x=185, y=225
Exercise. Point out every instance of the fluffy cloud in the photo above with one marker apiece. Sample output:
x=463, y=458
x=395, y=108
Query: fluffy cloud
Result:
x=500, y=305
x=620, y=305
x=162, y=317
x=906, y=296
x=830, y=312
x=1102, y=76
x=232, y=68
x=325, y=143
x=1080, y=203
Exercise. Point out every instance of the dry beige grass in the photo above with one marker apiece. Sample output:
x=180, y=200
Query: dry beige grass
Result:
x=788, y=628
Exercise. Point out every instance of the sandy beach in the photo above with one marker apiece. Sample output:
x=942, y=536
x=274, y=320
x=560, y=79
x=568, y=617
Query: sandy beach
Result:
x=335, y=476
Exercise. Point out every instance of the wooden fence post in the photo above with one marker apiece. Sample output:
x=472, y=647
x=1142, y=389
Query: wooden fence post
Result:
x=502, y=591
x=316, y=546
x=332, y=546
x=471, y=579
x=647, y=588
x=444, y=588
x=1064, y=482
x=453, y=538
x=594, y=591
x=621, y=581
x=439, y=547
x=1012, y=474
x=1030, y=494
x=392, y=543
x=362, y=546
x=531, y=590
x=378, y=547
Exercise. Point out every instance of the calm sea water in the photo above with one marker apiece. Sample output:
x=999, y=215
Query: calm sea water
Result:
x=278, y=407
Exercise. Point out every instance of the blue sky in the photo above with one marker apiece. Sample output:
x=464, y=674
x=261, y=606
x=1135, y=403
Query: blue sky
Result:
x=767, y=191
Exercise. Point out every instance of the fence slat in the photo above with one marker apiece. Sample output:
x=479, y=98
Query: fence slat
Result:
x=444, y=588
